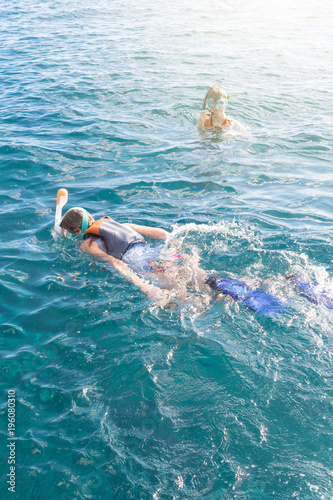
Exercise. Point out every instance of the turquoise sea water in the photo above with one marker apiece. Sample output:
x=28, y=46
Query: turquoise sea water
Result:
x=115, y=397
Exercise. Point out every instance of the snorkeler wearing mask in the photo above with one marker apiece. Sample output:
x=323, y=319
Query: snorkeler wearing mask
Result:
x=216, y=99
x=124, y=247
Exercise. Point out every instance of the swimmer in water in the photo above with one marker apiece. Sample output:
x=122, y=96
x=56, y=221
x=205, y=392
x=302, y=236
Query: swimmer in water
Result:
x=107, y=240
x=125, y=248
x=217, y=100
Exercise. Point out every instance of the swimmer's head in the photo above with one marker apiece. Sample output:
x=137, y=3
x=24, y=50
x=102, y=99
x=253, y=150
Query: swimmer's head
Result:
x=216, y=97
x=76, y=221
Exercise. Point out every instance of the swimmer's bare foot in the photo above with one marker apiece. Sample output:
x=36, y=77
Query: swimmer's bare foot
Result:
x=220, y=297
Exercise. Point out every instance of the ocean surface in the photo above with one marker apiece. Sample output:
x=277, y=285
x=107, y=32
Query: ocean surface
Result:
x=117, y=397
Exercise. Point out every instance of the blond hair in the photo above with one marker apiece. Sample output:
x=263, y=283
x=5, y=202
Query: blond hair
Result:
x=216, y=92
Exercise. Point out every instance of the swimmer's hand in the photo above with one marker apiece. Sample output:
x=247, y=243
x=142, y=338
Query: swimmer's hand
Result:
x=160, y=296
x=153, y=292
x=202, y=118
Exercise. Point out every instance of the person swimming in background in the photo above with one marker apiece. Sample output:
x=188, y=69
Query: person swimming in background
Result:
x=217, y=100
x=125, y=248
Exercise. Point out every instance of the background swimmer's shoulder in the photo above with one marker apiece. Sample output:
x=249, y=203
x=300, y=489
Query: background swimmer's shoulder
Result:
x=239, y=128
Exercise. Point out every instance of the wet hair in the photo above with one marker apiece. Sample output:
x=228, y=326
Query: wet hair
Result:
x=216, y=92
x=72, y=221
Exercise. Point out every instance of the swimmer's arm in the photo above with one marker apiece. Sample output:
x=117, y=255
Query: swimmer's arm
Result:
x=156, y=233
x=91, y=247
x=202, y=118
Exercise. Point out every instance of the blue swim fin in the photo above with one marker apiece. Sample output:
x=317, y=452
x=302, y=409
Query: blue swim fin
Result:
x=258, y=300
x=309, y=290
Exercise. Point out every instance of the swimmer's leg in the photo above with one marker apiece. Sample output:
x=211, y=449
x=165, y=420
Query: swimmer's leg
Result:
x=311, y=291
x=258, y=300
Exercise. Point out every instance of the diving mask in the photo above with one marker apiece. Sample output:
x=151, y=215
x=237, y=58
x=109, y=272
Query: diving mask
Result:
x=218, y=103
